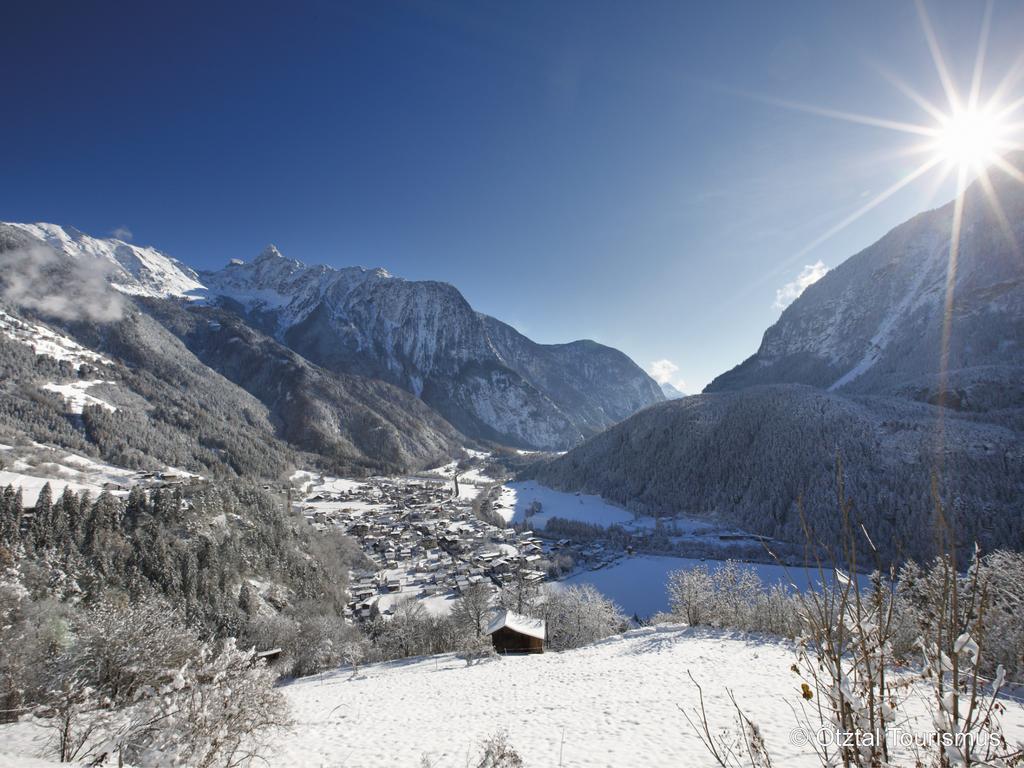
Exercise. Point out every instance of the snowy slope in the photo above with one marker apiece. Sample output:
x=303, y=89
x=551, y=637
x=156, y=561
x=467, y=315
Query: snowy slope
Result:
x=48, y=342
x=134, y=270
x=670, y=391
x=77, y=396
x=614, y=703
x=29, y=467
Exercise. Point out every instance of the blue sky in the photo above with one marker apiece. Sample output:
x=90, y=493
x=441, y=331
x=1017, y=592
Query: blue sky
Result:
x=614, y=171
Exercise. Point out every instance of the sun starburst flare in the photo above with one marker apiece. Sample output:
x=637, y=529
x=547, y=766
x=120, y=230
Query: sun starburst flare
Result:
x=968, y=137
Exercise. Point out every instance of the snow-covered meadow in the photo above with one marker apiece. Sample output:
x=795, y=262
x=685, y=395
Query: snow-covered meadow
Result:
x=518, y=502
x=614, y=703
x=29, y=467
x=516, y=499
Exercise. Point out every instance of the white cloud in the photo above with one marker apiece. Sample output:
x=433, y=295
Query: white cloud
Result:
x=38, y=278
x=663, y=371
x=791, y=291
x=122, y=233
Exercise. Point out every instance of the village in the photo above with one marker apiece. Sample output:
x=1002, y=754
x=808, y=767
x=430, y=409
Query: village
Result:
x=428, y=541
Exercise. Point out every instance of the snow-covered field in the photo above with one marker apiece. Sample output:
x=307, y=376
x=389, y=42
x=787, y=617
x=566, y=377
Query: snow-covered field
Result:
x=474, y=476
x=30, y=467
x=614, y=703
x=76, y=394
x=516, y=498
x=637, y=584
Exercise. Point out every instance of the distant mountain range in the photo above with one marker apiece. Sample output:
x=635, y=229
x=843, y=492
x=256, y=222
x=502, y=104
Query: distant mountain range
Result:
x=360, y=368
x=853, y=372
x=483, y=376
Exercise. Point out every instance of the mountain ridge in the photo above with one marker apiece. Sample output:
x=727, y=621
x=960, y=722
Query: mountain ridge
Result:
x=875, y=323
x=480, y=375
x=489, y=380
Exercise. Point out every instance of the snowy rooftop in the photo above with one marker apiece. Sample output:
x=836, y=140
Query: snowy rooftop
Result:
x=524, y=625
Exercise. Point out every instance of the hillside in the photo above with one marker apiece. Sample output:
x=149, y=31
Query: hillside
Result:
x=746, y=458
x=612, y=703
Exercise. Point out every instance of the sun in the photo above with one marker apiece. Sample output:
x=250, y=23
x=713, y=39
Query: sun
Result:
x=970, y=139
x=968, y=135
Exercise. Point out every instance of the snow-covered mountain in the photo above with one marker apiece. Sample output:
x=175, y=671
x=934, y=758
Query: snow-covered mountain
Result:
x=670, y=391
x=131, y=269
x=113, y=350
x=479, y=374
x=759, y=458
x=875, y=323
x=483, y=376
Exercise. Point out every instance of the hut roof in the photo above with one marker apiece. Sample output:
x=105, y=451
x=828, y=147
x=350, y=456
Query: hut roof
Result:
x=524, y=625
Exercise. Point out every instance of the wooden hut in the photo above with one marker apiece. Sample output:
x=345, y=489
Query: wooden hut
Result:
x=513, y=633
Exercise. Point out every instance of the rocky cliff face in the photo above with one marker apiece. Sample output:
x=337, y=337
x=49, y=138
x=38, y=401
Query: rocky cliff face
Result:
x=480, y=374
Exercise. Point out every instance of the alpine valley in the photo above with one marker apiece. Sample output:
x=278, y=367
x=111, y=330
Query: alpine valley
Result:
x=338, y=466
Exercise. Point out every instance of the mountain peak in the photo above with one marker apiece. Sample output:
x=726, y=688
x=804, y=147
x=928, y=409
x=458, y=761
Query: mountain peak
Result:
x=269, y=253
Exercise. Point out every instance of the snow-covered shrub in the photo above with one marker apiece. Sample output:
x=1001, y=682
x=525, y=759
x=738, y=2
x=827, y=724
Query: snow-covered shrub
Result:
x=1003, y=620
x=732, y=596
x=32, y=635
x=412, y=631
x=691, y=595
x=579, y=615
x=132, y=681
x=477, y=648
x=317, y=646
x=218, y=709
x=355, y=649
x=74, y=714
x=266, y=632
x=121, y=648
x=498, y=753
x=997, y=619
x=741, y=746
